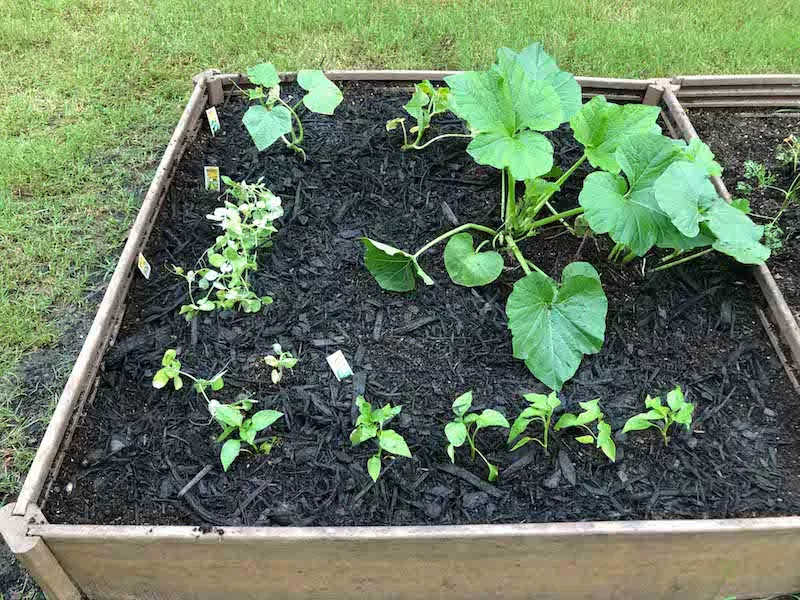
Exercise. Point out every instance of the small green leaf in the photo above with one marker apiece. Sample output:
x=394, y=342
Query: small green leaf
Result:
x=169, y=356
x=228, y=415
x=591, y=412
x=637, y=423
x=742, y=204
x=462, y=404
x=605, y=442
x=519, y=426
x=456, y=433
x=266, y=126
x=217, y=383
x=264, y=75
x=566, y=420
x=264, y=418
x=323, y=95
x=467, y=267
x=602, y=126
x=374, y=467
x=451, y=452
x=230, y=450
x=675, y=399
x=553, y=326
x=177, y=382
x=684, y=415
x=521, y=443
x=160, y=379
x=491, y=418
x=393, y=269
x=247, y=432
x=393, y=442
x=493, y=473
x=585, y=439
x=363, y=433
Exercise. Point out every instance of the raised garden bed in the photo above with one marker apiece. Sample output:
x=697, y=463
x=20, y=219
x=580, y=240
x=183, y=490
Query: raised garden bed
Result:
x=135, y=447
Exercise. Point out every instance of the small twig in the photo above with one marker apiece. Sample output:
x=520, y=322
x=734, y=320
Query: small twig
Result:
x=470, y=478
x=778, y=350
x=195, y=480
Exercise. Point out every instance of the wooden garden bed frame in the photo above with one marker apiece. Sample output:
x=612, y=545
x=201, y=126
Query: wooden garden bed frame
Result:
x=587, y=560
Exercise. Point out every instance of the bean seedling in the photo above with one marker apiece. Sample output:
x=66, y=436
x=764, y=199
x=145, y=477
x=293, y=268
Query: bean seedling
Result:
x=465, y=427
x=540, y=409
x=369, y=425
x=247, y=225
x=279, y=361
x=591, y=414
x=665, y=199
x=662, y=417
x=272, y=119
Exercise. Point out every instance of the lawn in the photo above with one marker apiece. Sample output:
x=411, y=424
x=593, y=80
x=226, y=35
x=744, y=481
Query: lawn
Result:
x=90, y=89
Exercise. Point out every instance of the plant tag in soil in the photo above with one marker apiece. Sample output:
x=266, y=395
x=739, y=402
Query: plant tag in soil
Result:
x=144, y=266
x=213, y=120
x=212, y=178
x=339, y=365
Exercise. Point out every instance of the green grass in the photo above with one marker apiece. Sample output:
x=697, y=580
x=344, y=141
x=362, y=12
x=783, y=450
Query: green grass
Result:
x=90, y=90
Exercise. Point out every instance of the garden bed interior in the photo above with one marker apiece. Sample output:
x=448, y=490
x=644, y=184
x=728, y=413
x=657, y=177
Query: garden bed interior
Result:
x=696, y=326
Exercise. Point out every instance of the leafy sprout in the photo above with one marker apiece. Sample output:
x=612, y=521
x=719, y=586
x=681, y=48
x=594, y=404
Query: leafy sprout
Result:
x=247, y=225
x=426, y=102
x=271, y=118
x=279, y=361
x=788, y=154
x=233, y=420
x=591, y=414
x=369, y=425
x=677, y=410
x=540, y=408
x=465, y=427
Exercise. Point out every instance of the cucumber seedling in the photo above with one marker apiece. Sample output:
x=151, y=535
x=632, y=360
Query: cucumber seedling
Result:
x=466, y=426
x=271, y=118
x=369, y=425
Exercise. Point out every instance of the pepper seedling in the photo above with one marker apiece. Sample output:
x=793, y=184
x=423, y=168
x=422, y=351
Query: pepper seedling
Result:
x=426, y=102
x=466, y=426
x=369, y=425
x=247, y=225
x=280, y=361
x=677, y=410
x=540, y=409
x=648, y=191
x=591, y=414
x=272, y=119
x=232, y=418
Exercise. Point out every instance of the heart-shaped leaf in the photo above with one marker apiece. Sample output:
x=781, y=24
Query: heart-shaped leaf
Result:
x=553, y=326
x=684, y=192
x=264, y=75
x=467, y=267
x=323, y=95
x=393, y=269
x=602, y=126
x=265, y=125
x=540, y=66
x=527, y=154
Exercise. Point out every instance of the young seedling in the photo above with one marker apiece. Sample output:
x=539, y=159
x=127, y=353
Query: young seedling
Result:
x=788, y=153
x=465, y=427
x=662, y=417
x=280, y=361
x=425, y=103
x=648, y=191
x=369, y=425
x=591, y=414
x=232, y=418
x=272, y=119
x=540, y=409
x=171, y=371
x=247, y=225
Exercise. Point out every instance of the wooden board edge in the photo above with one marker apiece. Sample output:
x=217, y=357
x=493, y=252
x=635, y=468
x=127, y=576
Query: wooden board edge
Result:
x=85, y=368
x=753, y=79
x=790, y=330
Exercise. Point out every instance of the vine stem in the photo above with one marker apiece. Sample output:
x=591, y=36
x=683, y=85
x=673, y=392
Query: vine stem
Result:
x=511, y=200
x=523, y=262
x=296, y=140
x=559, y=183
x=557, y=217
x=437, y=138
x=683, y=260
x=452, y=232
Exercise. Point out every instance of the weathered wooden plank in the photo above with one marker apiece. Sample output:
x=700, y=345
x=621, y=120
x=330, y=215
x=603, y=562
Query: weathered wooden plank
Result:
x=750, y=102
x=717, y=80
x=735, y=92
x=670, y=560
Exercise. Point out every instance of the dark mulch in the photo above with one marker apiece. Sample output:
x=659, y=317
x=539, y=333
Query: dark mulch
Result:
x=736, y=137
x=695, y=327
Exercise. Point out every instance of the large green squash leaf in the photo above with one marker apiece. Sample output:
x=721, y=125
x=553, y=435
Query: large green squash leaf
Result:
x=323, y=95
x=527, y=154
x=602, y=127
x=393, y=269
x=266, y=126
x=737, y=236
x=553, y=326
x=683, y=192
x=628, y=211
x=467, y=267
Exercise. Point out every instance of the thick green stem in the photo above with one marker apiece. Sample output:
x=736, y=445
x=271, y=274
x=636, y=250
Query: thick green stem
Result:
x=557, y=217
x=615, y=251
x=511, y=200
x=629, y=257
x=518, y=255
x=563, y=222
x=298, y=138
x=502, y=199
x=452, y=232
x=558, y=184
x=683, y=260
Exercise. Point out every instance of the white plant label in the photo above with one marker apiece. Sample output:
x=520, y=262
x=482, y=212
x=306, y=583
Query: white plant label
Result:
x=339, y=365
x=144, y=266
x=213, y=120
